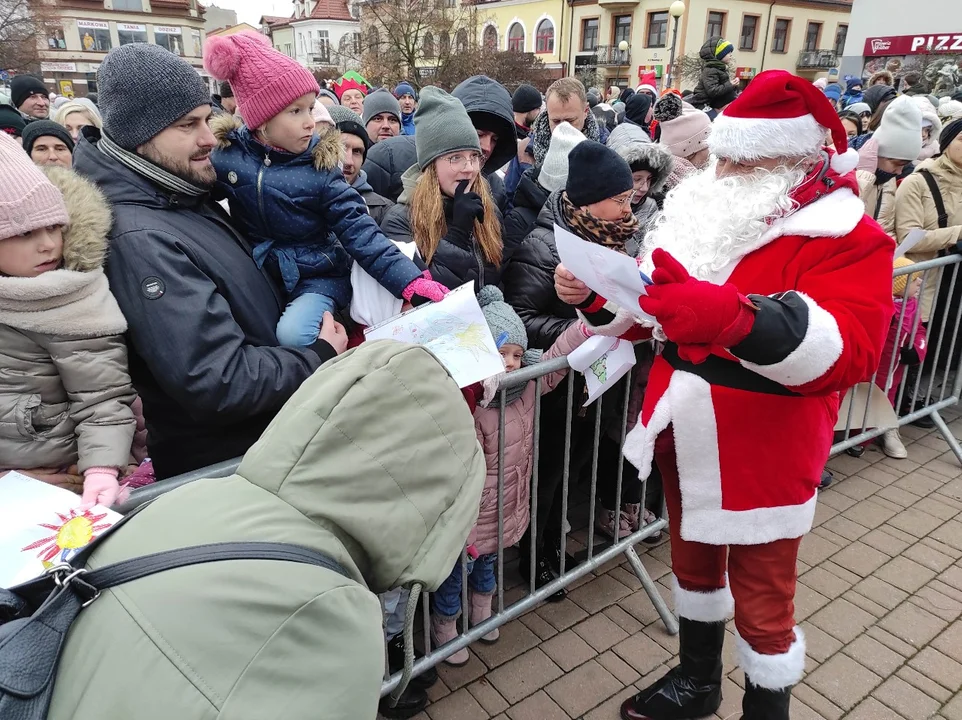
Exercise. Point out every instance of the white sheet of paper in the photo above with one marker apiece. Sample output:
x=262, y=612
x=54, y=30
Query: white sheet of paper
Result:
x=41, y=526
x=611, y=274
x=454, y=329
x=604, y=361
x=911, y=240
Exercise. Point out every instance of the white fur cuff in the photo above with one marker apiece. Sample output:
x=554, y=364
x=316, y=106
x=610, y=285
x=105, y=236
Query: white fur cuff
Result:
x=715, y=606
x=620, y=324
x=773, y=672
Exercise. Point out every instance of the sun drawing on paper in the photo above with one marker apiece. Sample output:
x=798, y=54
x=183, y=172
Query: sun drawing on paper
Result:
x=76, y=530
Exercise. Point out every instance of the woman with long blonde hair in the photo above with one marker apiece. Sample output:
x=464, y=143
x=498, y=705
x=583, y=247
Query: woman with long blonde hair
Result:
x=446, y=207
x=78, y=114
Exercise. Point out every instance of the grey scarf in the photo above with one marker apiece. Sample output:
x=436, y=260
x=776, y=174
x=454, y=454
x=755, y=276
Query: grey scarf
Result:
x=530, y=357
x=147, y=169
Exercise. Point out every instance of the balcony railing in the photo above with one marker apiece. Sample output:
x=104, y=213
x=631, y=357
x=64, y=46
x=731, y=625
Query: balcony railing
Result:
x=607, y=55
x=817, y=59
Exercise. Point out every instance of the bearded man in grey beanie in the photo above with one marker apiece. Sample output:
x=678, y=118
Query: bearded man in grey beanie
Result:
x=201, y=316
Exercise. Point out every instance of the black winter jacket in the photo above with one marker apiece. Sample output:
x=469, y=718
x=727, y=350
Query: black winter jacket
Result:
x=454, y=262
x=386, y=162
x=529, y=198
x=714, y=88
x=201, y=320
x=529, y=280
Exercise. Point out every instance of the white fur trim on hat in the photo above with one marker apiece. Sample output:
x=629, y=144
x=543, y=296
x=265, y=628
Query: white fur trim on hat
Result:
x=845, y=162
x=715, y=606
x=748, y=139
x=773, y=672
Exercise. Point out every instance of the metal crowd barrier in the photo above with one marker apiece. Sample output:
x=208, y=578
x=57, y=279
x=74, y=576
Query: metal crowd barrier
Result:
x=857, y=431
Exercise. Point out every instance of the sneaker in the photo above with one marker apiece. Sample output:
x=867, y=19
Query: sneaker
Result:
x=892, y=445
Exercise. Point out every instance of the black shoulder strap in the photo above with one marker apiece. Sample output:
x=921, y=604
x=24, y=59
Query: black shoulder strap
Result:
x=937, y=197
x=139, y=567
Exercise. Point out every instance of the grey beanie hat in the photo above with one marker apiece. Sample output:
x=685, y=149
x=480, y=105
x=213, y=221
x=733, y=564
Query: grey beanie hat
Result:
x=442, y=126
x=554, y=169
x=501, y=317
x=144, y=88
x=380, y=101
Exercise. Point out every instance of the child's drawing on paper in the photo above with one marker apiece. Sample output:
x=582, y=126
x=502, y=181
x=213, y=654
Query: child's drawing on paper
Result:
x=76, y=530
x=600, y=368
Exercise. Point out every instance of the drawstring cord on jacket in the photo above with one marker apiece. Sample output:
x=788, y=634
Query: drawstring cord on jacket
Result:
x=408, y=672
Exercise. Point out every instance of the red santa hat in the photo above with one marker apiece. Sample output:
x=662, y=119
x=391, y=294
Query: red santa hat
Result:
x=649, y=83
x=780, y=115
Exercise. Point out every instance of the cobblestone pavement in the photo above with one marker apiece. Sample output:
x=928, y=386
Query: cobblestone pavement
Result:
x=879, y=597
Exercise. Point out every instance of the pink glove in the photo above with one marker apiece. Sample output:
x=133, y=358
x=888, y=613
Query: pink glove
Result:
x=424, y=287
x=100, y=487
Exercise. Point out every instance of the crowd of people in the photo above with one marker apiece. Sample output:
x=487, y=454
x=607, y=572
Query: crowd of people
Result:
x=173, y=266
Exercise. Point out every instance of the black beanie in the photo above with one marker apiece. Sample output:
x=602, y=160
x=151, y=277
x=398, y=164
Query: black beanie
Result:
x=226, y=91
x=877, y=94
x=949, y=133
x=596, y=173
x=23, y=86
x=11, y=121
x=637, y=107
x=41, y=128
x=525, y=99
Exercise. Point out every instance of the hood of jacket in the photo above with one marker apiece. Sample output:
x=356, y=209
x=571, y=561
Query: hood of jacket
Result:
x=707, y=52
x=529, y=193
x=931, y=146
x=655, y=158
x=361, y=184
x=489, y=105
x=380, y=450
x=325, y=149
x=551, y=212
x=85, y=237
x=387, y=161
x=638, y=109
x=541, y=135
x=409, y=181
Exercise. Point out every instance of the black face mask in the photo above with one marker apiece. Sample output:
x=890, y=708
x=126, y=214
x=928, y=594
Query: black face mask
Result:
x=882, y=177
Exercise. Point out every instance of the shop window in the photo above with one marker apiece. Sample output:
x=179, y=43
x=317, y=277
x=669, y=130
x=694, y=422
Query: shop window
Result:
x=168, y=39
x=94, y=35
x=128, y=33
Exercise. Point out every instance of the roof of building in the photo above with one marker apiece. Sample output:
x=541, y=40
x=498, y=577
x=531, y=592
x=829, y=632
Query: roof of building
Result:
x=273, y=20
x=331, y=10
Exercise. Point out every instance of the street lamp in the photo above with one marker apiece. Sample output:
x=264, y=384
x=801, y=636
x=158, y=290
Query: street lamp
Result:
x=623, y=48
x=676, y=10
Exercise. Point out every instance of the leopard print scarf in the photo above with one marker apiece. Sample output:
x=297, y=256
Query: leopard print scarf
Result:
x=610, y=233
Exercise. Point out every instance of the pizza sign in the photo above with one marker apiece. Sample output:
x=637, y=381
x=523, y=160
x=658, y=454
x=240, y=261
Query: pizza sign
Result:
x=947, y=43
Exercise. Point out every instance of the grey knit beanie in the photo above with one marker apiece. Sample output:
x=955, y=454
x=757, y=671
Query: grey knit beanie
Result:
x=442, y=126
x=554, y=169
x=501, y=317
x=144, y=88
x=380, y=101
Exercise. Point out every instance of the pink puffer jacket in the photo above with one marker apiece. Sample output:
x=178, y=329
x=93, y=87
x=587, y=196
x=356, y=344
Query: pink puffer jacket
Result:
x=518, y=454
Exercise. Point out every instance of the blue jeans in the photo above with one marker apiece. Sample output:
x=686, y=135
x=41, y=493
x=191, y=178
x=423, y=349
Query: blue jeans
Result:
x=447, y=600
x=301, y=321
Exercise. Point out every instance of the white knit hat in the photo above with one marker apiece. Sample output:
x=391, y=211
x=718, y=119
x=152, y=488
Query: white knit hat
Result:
x=899, y=136
x=950, y=109
x=554, y=169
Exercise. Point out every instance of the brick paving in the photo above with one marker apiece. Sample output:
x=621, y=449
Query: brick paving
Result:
x=879, y=598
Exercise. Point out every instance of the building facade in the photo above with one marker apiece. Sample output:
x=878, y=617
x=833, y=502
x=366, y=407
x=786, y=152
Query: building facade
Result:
x=805, y=37
x=326, y=33
x=534, y=26
x=927, y=39
x=216, y=18
x=279, y=30
x=88, y=30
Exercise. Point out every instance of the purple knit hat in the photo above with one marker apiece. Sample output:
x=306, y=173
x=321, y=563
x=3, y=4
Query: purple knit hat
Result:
x=264, y=80
x=28, y=200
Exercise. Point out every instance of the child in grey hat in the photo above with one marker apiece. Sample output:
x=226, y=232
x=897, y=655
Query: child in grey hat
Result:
x=519, y=404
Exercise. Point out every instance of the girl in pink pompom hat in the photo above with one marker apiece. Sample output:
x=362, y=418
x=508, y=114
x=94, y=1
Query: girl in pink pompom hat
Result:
x=286, y=191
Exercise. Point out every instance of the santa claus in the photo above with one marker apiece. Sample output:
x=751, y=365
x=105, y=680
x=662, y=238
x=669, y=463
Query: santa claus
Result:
x=771, y=292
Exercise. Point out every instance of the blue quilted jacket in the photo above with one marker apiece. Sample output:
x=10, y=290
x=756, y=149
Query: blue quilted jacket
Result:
x=306, y=222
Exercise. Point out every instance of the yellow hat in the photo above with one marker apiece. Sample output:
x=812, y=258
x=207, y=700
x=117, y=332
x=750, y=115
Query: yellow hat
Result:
x=898, y=282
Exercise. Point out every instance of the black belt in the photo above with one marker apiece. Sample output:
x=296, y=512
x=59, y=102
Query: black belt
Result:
x=725, y=373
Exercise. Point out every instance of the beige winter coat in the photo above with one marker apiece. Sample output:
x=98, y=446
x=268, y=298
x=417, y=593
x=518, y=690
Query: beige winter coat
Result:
x=65, y=392
x=879, y=200
x=915, y=208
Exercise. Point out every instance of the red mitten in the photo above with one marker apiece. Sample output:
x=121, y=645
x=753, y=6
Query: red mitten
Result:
x=424, y=287
x=695, y=312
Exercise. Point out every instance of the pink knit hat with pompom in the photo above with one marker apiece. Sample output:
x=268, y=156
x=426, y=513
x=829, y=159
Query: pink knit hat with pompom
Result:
x=264, y=80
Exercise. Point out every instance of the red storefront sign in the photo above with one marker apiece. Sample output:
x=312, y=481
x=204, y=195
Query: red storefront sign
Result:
x=949, y=43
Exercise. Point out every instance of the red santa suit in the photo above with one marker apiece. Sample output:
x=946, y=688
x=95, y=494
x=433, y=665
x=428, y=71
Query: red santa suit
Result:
x=741, y=437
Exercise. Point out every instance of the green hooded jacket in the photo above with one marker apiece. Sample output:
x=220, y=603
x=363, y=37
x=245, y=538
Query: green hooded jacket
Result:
x=375, y=462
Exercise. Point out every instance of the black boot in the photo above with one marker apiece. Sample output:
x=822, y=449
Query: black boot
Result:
x=412, y=702
x=693, y=688
x=395, y=663
x=542, y=569
x=761, y=704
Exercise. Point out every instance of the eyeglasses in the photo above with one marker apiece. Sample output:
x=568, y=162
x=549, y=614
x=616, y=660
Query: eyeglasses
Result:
x=623, y=201
x=459, y=161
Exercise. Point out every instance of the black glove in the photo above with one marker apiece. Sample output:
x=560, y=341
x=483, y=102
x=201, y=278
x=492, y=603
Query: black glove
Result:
x=467, y=208
x=909, y=356
x=957, y=248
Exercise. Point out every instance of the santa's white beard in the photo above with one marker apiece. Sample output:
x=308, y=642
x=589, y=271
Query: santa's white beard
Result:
x=708, y=223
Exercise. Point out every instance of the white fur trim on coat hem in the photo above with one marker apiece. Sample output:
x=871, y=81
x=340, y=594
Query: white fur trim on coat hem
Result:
x=819, y=350
x=773, y=672
x=715, y=606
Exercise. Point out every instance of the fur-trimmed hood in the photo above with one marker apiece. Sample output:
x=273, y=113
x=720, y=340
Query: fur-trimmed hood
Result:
x=326, y=149
x=654, y=158
x=85, y=238
x=883, y=75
